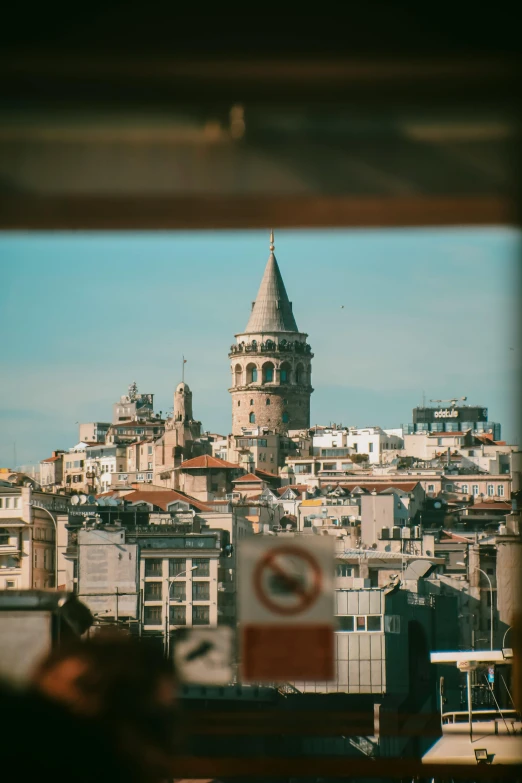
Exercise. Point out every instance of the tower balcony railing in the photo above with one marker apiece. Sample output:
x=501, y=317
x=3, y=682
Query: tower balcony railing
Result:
x=270, y=346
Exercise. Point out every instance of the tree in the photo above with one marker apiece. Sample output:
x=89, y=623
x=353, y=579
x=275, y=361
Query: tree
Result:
x=358, y=458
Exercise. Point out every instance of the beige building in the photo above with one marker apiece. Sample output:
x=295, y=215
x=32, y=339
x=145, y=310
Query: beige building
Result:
x=51, y=471
x=207, y=478
x=271, y=362
x=178, y=442
x=28, y=537
x=94, y=431
x=74, y=469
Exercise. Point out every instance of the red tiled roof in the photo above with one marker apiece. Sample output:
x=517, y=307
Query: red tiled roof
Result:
x=162, y=498
x=249, y=478
x=263, y=473
x=206, y=461
x=52, y=459
x=455, y=537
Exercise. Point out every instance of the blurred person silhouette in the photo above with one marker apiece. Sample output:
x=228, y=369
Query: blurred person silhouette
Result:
x=103, y=709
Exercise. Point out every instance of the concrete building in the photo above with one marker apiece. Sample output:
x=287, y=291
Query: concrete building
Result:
x=28, y=521
x=128, y=432
x=378, y=445
x=207, y=478
x=51, y=471
x=102, y=464
x=271, y=362
x=93, y=432
x=133, y=406
x=447, y=416
x=74, y=470
x=179, y=442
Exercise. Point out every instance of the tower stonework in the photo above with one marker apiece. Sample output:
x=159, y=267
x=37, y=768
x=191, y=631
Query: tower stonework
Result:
x=271, y=362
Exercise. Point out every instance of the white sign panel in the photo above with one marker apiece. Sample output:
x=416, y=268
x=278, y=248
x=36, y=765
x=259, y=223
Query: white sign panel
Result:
x=203, y=656
x=286, y=580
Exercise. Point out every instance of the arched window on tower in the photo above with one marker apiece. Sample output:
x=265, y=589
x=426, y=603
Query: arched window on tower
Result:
x=286, y=417
x=268, y=372
x=252, y=418
x=299, y=374
x=284, y=373
x=239, y=403
x=267, y=402
x=251, y=402
x=251, y=372
x=238, y=373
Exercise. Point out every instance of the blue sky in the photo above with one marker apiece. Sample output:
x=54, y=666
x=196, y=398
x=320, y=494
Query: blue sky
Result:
x=84, y=315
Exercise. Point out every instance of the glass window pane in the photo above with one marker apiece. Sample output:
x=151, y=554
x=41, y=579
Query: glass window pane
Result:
x=361, y=623
x=178, y=591
x=152, y=615
x=374, y=623
x=153, y=567
x=201, y=591
x=345, y=623
x=177, y=565
x=200, y=615
x=178, y=615
x=203, y=566
x=153, y=591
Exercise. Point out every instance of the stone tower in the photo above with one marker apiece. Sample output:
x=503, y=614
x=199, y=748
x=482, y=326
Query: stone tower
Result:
x=271, y=362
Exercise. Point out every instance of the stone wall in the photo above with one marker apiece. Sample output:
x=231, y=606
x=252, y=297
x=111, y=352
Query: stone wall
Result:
x=293, y=400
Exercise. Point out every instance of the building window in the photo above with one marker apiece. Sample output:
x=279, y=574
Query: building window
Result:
x=267, y=401
x=345, y=624
x=251, y=402
x=474, y=490
x=374, y=622
x=178, y=591
x=177, y=565
x=152, y=615
x=149, y=449
x=203, y=566
x=4, y=537
x=464, y=489
x=431, y=487
x=139, y=477
x=153, y=591
x=153, y=567
x=200, y=615
x=9, y=585
x=344, y=570
x=149, y=476
x=201, y=591
x=239, y=403
x=252, y=418
x=269, y=375
x=178, y=615
x=449, y=487
x=283, y=376
x=285, y=417
x=370, y=447
x=149, y=465
x=500, y=490
x=491, y=490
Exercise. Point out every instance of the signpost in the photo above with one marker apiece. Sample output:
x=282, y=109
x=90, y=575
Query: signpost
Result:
x=286, y=617
x=203, y=656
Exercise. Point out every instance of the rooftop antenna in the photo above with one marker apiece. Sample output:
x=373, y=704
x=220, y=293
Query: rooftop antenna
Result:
x=183, y=363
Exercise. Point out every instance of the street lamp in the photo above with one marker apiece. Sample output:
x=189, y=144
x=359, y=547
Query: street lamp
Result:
x=167, y=620
x=490, y=602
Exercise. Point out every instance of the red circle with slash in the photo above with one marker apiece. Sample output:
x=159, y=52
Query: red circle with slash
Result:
x=306, y=596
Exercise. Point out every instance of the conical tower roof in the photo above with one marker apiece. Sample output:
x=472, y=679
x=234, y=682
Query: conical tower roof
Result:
x=272, y=310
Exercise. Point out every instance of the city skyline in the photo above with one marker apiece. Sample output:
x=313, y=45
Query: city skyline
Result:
x=390, y=313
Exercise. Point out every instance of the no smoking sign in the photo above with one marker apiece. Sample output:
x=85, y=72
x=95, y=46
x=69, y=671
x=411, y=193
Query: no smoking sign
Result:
x=286, y=608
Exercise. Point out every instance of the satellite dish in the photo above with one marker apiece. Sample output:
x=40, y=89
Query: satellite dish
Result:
x=437, y=504
x=83, y=499
x=75, y=500
x=91, y=499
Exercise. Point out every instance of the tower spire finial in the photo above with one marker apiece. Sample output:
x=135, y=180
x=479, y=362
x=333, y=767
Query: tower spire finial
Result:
x=272, y=240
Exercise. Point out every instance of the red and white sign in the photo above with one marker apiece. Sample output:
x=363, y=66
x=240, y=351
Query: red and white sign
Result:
x=286, y=605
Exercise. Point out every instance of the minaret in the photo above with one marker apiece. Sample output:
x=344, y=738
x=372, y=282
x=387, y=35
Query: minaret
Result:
x=271, y=362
